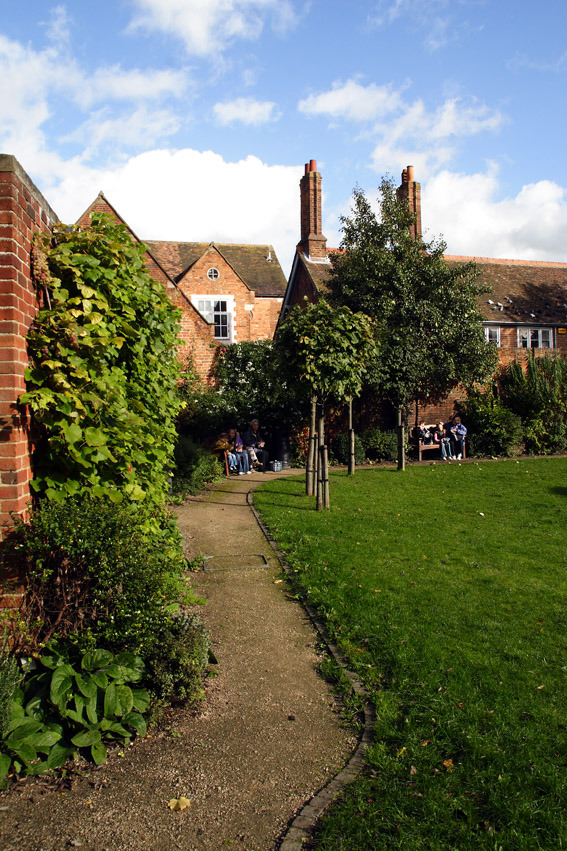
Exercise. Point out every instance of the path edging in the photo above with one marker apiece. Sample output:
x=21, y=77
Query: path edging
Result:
x=303, y=825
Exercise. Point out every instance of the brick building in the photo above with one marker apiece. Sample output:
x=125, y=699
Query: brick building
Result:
x=525, y=310
x=226, y=293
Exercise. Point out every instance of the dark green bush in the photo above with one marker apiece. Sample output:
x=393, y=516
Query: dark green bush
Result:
x=492, y=428
x=194, y=467
x=341, y=449
x=10, y=676
x=538, y=395
x=380, y=445
x=181, y=655
x=98, y=574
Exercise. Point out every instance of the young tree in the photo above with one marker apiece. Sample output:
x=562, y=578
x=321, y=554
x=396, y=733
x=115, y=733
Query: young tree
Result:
x=424, y=310
x=325, y=352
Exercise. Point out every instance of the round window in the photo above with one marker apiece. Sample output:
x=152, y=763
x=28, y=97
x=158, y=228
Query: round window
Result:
x=213, y=274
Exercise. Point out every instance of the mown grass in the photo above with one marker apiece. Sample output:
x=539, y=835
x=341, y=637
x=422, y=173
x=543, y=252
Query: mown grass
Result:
x=446, y=587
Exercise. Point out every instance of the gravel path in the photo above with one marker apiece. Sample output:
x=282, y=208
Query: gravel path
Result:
x=267, y=737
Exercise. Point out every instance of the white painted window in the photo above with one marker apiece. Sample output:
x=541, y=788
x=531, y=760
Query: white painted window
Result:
x=217, y=309
x=535, y=338
x=213, y=274
x=492, y=335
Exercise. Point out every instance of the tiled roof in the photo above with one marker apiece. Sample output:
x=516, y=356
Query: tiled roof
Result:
x=526, y=291
x=250, y=262
x=521, y=290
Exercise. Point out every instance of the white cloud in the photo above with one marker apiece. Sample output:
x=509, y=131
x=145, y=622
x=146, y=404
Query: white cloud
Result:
x=466, y=210
x=114, y=83
x=139, y=129
x=190, y=195
x=207, y=27
x=353, y=101
x=402, y=127
x=245, y=111
x=441, y=20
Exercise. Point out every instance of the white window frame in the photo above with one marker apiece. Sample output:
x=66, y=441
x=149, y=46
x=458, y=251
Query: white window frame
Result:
x=213, y=273
x=210, y=306
x=493, y=330
x=532, y=337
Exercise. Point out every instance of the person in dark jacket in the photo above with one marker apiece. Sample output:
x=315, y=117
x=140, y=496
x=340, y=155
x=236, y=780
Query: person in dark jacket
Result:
x=254, y=441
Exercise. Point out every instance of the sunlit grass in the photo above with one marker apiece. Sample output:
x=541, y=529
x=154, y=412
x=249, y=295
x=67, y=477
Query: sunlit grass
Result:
x=446, y=587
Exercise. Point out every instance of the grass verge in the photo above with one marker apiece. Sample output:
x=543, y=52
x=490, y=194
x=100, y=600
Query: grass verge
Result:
x=446, y=587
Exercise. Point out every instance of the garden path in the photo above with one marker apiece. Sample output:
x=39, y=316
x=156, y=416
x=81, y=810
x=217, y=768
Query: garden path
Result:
x=267, y=737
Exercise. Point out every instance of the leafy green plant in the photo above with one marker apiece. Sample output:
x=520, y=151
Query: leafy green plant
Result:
x=380, y=445
x=10, y=676
x=73, y=702
x=341, y=448
x=195, y=467
x=538, y=394
x=493, y=429
x=99, y=574
x=175, y=669
x=102, y=379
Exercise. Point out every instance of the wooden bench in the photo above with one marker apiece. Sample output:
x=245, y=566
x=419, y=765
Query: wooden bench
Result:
x=424, y=447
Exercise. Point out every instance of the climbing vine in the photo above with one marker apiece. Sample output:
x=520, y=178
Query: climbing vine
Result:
x=103, y=370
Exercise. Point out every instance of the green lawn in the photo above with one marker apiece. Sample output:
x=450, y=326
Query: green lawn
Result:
x=446, y=587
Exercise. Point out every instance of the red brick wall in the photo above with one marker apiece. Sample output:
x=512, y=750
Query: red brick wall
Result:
x=23, y=211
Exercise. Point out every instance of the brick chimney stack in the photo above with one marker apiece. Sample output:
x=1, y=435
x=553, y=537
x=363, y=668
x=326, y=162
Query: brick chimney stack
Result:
x=313, y=244
x=410, y=191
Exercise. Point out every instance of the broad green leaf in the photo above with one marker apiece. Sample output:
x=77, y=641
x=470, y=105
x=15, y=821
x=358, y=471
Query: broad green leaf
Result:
x=124, y=699
x=26, y=752
x=99, y=753
x=110, y=701
x=96, y=659
x=141, y=699
x=86, y=738
x=59, y=754
x=5, y=763
x=73, y=433
x=45, y=741
x=137, y=721
x=100, y=678
x=19, y=728
x=61, y=684
x=87, y=685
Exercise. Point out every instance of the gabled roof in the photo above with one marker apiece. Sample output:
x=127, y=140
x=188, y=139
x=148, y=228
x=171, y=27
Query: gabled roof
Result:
x=522, y=291
x=257, y=265
x=526, y=291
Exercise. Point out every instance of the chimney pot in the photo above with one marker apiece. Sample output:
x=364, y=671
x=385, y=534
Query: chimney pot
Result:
x=312, y=165
x=306, y=168
x=410, y=174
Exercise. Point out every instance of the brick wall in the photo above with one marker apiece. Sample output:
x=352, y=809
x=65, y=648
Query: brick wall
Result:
x=23, y=211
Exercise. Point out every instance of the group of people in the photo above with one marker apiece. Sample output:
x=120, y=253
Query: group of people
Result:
x=450, y=436
x=243, y=453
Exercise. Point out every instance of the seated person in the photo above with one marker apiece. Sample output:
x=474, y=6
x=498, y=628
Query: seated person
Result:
x=222, y=445
x=424, y=433
x=254, y=441
x=440, y=436
x=238, y=451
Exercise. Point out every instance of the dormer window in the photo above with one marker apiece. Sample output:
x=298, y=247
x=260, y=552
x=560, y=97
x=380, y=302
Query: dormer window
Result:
x=218, y=310
x=213, y=274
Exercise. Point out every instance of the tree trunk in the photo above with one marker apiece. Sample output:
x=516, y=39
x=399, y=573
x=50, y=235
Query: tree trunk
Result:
x=312, y=451
x=401, y=441
x=351, y=455
x=321, y=439
x=325, y=461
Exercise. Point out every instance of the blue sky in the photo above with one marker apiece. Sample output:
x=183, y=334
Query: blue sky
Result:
x=195, y=117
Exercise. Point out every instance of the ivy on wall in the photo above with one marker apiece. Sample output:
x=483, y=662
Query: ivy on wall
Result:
x=103, y=369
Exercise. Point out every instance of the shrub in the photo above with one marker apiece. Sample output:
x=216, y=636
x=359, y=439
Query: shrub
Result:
x=492, y=429
x=103, y=377
x=539, y=396
x=181, y=655
x=72, y=701
x=380, y=445
x=10, y=676
x=341, y=449
x=194, y=467
x=98, y=573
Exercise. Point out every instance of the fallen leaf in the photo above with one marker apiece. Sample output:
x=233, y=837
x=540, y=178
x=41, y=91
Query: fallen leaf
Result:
x=425, y=743
x=413, y=770
x=277, y=581
x=178, y=804
x=400, y=752
x=448, y=763
x=539, y=688
x=481, y=513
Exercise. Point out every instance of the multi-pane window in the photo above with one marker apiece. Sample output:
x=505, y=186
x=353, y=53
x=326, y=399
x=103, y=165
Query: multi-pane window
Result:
x=492, y=334
x=535, y=338
x=217, y=310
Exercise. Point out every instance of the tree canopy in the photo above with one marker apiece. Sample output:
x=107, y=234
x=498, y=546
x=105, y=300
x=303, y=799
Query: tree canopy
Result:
x=424, y=309
x=326, y=350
